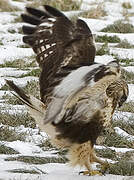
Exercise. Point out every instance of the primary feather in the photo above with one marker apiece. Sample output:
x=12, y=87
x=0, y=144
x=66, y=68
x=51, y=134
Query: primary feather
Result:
x=78, y=96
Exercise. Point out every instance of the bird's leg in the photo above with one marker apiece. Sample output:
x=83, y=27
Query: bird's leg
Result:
x=88, y=167
x=89, y=171
x=87, y=147
x=83, y=154
x=105, y=164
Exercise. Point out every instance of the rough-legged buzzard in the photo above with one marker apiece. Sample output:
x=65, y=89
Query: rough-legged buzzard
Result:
x=78, y=96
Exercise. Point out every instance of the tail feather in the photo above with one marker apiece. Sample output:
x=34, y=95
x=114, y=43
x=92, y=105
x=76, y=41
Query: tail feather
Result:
x=20, y=93
x=36, y=108
x=32, y=103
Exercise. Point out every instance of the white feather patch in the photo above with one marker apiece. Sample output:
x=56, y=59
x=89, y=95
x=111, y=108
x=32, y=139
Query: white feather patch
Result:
x=47, y=24
x=74, y=81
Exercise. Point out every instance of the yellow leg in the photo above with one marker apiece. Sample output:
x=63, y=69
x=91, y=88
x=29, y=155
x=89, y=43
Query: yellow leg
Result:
x=104, y=164
x=94, y=158
x=84, y=155
x=89, y=171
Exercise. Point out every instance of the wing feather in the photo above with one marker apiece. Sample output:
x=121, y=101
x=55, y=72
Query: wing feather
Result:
x=60, y=45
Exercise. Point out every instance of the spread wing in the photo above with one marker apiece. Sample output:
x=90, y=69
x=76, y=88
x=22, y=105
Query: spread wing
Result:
x=83, y=91
x=60, y=45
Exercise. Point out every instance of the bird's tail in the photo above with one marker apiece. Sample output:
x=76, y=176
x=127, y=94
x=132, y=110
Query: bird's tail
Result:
x=36, y=107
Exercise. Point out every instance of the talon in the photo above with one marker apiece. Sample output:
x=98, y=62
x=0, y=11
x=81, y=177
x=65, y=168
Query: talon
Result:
x=104, y=167
x=84, y=172
x=91, y=173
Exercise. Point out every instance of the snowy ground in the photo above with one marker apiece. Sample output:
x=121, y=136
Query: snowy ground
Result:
x=13, y=50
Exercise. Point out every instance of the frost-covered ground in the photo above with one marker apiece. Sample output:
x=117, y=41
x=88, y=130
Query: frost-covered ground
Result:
x=25, y=152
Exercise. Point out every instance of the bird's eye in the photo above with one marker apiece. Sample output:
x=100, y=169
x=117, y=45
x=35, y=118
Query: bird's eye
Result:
x=122, y=100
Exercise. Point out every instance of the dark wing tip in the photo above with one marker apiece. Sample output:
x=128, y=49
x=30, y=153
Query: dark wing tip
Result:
x=37, y=13
x=28, y=29
x=83, y=26
x=30, y=19
x=29, y=40
x=53, y=11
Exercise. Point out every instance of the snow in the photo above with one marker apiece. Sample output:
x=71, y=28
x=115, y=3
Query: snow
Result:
x=96, y=24
x=12, y=39
x=20, y=81
x=6, y=17
x=118, y=150
x=105, y=59
x=2, y=93
x=124, y=134
x=29, y=149
x=10, y=53
x=131, y=93
x=129, y=36
x=129, y=69
x=11, y=50
x=123, y=53
x=59, y=172
x=33, y=135
x=123, y=116
x=12, y=72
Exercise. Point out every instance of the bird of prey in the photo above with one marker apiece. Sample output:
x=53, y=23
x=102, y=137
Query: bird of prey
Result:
x=78, y=96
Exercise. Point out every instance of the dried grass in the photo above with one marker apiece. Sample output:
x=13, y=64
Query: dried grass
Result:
x=5, y=5
x=95, y=13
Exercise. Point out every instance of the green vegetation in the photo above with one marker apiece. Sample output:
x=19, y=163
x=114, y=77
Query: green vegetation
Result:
x=1, y=43
x=123, y=167
x=7, y=150
x=4, y=87
x=119, y=27
x=126, y=5
x=11, y=30
x=128, y=76
x=123, y=61
x=24, y=46
x=34, y=72
x=8, y=134
x=107, y=39
x=125, y=44
x=95, y=13
x=12, y=99
x=15, y=120
x=46, y=145
x=127, y=107
x=10, y=122
x=103, y=50
x=32, y=88
x=106, y=153
x=37, y=160
x=110, y=138
x=25, y=171
x=20, y=63
x=127, y=126
x=116, y=140
x=63, y=5
x=5, y=5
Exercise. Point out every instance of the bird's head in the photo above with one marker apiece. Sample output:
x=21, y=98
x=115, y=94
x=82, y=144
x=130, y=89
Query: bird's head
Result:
x=118, y=90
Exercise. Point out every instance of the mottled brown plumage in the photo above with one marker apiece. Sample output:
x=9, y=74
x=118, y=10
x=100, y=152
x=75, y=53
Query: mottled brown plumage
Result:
x=59, y=44
x=78, y=96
